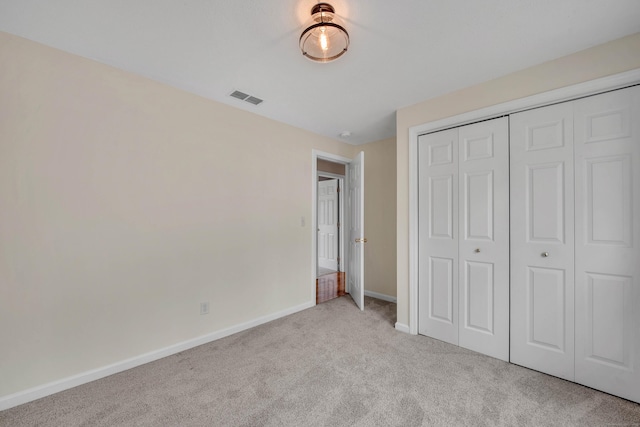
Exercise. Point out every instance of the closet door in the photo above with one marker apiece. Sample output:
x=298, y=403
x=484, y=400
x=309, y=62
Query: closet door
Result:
x=542, y=240
x=484, y=237
x=607, y=147
x=438, y=235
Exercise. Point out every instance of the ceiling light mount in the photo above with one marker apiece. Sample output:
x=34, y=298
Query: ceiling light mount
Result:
x=324, y=38
x=322, y=7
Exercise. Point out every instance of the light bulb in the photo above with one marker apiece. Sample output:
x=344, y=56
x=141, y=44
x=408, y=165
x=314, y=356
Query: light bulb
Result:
x=324, y=42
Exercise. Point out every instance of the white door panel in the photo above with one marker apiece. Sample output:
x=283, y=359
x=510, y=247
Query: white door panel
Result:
x=542, y=257
x=356, y=230
x=328, y=224
x=544, y=187
x=438, y=235
x=607, y=148
x=441, y=202
x=463, y=237
x=545, y=295
x=483, y=249
x=479, y=295
x=440, y=289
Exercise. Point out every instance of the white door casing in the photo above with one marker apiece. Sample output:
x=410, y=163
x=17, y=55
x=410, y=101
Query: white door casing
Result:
x=607, y=303
x=542, y=256
x=463, y=236
x=438, y=235
x=328, y=224
x=483, y=243
x=355, y=273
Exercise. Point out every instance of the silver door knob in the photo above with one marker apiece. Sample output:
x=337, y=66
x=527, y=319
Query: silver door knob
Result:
x=544, y=254
x=477, y=250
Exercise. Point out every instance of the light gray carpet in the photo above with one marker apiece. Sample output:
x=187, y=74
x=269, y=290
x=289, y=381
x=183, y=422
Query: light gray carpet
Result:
x=331, y=365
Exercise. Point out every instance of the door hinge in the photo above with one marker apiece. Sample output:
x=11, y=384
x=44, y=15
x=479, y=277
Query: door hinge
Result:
x=338, y=189
x=338, y=224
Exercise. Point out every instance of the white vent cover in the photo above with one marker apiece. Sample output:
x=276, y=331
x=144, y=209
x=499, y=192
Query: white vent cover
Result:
x=245, y=97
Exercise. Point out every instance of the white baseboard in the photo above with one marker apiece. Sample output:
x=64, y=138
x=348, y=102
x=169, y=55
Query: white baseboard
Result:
x=38, y=392
x=380, y=296
x=402, y=327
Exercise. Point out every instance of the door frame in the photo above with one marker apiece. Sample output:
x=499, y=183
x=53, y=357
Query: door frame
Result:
x=341, y=212
x=315, y=155
x=568, y=93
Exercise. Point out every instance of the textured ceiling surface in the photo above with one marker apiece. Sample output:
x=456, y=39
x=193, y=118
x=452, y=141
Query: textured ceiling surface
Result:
x=401, y=52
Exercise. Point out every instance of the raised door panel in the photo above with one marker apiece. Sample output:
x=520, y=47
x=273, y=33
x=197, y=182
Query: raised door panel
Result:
x=545, y=310
x=542, y=210
x=438, y=235
x=484, y=237
x=608, y=321
x=479, y=216
x=440, y=289
x=441, y=203
x=608, y=194
x=607, y=149
x=545, y=202
x=479, y=291
x=322, y=212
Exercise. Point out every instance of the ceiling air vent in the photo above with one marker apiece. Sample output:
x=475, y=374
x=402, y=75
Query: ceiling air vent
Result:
x=239, y=95
x=245, y=97
x=253, y=100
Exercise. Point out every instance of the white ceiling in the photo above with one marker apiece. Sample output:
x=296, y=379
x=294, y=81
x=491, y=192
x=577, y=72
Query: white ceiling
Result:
x=401, y=52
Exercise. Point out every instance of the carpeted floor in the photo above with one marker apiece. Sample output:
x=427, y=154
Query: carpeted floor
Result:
x=330, y=365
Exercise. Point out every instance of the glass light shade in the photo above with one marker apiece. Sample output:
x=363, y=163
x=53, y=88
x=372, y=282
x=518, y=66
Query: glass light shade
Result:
x=324, y=38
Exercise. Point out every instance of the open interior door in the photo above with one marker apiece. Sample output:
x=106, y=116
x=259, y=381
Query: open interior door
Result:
x=355, y=271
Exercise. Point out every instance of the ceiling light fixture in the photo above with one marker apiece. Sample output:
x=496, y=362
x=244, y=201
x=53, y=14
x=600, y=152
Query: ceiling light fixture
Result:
x=325, y=38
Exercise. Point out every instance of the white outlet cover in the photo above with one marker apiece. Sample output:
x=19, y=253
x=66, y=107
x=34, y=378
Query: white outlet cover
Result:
x=204, y=308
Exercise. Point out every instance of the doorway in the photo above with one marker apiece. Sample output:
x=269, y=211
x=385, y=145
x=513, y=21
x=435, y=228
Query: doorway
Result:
x=348, y=270
x=330, y=282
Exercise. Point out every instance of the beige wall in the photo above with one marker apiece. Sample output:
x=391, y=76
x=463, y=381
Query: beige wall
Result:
x=327, y=166
x=610, y=58
x=125, y=203
x=380, y=216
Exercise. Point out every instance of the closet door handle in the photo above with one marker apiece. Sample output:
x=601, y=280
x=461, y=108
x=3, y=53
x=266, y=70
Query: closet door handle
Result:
x=477, y=250
x=544, y=254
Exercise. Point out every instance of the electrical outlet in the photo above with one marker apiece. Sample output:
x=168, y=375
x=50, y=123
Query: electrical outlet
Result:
x=204, y=308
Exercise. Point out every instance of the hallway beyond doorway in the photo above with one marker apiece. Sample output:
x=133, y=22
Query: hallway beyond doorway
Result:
x=324, y=271
x=330, y=286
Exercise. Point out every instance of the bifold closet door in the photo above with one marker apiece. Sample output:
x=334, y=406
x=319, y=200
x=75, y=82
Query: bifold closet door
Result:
x=542, y=240
x=575, y=241
x=483, y=249
x=438, y=235
x=463, y=236
x=607, y=165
